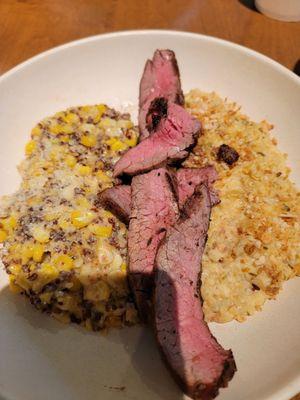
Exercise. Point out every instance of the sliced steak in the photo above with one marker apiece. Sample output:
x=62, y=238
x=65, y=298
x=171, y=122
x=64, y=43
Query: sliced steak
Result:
x=160, y=79
x=153, y=209
x=189, y=178
x=196, y=359
x=176, y=133
x=117, y=199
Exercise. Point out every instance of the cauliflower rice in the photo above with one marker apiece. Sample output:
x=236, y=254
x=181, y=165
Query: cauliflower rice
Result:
x=253, y=239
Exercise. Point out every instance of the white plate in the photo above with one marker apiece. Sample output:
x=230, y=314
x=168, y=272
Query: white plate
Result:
x=42, y=359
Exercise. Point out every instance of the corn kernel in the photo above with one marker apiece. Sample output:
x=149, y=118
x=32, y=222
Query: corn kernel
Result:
x=89, y=140
x=12, y=222
x=36, y=131
x=57, y=129
x=32, y=267
x=65, y=139
x=14, y=288
x=15, y=269
x=81, y=218
x=86, y=109
x=101, y=108
x=124, y=124
x=48, y=273
x=102, y=231
x=53, y=155
x=107, y=214
x=46, y=297
x=103, y=176
x=70, y=118
x=38, y=252
x=108, y=123
x=22, y=281
x=63, y=224
x=84, y=170
x=63, y=262
x=54, y=141
x=3, y=236
x=48, y=166
x=30, y=147
x=116, y=144
x=99, y=164
x=83, y=202
x=132, y=141
x=70, y=161
x=50, y=217
x=26, y=253
x=67, y=129
x=40, y=234
x=123, y=267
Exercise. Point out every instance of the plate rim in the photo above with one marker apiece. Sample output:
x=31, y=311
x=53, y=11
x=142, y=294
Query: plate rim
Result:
x=292, y=387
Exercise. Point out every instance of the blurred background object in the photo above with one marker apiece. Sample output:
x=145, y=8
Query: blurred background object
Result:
x=284, y=10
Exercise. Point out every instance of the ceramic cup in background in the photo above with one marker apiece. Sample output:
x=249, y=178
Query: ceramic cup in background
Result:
x=284, y=10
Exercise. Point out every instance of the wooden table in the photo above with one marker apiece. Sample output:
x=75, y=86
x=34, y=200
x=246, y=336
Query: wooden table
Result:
x=28, y=27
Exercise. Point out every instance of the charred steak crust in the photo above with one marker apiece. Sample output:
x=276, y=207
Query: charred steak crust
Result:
x=153, y=209
x=227, y=154
x=158, y=109
x=194, y=356
x=117, y=199
x=175, y=134
x=160, y=79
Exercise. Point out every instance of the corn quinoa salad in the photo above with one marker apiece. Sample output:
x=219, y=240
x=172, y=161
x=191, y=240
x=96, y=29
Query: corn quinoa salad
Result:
x=254, y=236
x=60, y=248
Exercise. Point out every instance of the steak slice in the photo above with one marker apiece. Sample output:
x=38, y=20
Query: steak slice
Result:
x=160, y=79
x=175, y=133
x=153, y=209
x=189, y=178
x=196, y=359
x=117, y=199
